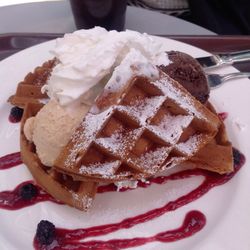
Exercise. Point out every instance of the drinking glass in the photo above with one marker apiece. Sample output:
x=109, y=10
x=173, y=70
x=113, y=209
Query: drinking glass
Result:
x=109, y=14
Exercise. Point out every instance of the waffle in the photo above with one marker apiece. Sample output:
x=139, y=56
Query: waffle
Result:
x=62, y=187
x=140, y=123
x=29, y=90
x=137, y=129
x=217, y=155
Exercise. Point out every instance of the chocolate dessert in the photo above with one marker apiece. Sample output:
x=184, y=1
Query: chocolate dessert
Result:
x=188, y=72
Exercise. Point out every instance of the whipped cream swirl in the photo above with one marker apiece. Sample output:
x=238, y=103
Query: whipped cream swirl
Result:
x=88, y=57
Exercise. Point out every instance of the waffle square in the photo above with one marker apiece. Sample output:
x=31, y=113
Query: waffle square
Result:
x=29, y=90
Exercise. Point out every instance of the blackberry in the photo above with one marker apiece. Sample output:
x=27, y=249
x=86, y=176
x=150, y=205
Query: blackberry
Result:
x=45, y=232
x=28, y=191
x=16, y=114
x=237, y=157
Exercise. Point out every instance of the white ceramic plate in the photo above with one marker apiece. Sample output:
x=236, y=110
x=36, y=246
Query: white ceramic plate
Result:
x=226, y=207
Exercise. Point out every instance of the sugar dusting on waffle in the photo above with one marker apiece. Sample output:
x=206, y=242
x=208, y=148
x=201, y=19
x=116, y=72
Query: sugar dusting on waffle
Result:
x=122, y=129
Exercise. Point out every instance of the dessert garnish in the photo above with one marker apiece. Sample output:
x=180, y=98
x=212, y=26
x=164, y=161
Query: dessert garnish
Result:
x=45, y=232
x=189, y=73
x=28, y=191
x=16, y=114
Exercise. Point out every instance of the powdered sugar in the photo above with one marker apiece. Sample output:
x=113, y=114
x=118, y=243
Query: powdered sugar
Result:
x=83, y=201
x=120, y=142
x=144, y=109
x=114, y=143
x=102, y=169
x=150, y=162
x=181, y=99
x=85, y=134
x=93, y=123
x=190, y=146
x=171, y=127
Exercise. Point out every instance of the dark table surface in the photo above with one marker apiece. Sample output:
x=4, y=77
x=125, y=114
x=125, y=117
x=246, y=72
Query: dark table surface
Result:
x=12, y=43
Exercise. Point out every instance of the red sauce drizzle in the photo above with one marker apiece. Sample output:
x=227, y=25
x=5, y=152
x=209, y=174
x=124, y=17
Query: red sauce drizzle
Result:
x=211, y=179
x=10, y=160
x=223, y=116
x=69, y=239
x=193, y=222
x=11, y=200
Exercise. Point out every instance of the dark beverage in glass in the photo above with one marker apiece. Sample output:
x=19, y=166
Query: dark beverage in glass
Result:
x=109, y=14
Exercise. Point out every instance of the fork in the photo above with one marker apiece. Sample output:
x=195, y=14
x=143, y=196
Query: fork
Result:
x=221, y=59
x=216, y=80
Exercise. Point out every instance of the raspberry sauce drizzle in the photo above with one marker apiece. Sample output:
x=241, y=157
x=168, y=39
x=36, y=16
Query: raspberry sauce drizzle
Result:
x=211, y=179
x=12, y=200
x=194, y=220
x=223, y=116
x=10, y=160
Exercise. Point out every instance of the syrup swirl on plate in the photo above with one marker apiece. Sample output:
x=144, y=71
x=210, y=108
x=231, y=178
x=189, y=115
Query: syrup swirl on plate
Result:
x=10, y=160
x=20, y=196
x=193, y=222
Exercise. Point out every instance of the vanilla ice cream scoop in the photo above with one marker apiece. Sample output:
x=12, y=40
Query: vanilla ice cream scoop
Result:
x=51, y=128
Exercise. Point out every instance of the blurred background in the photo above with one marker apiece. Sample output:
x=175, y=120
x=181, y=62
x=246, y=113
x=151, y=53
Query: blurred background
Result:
x=224, y=17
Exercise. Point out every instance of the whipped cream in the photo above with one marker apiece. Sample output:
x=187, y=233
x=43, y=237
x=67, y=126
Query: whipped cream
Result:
x=89, y=57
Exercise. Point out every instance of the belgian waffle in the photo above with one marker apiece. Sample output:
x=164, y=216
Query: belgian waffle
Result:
x=29, y=90
x=137, y=129
x=217, y=155
x=158, y=116
x=78, y=194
